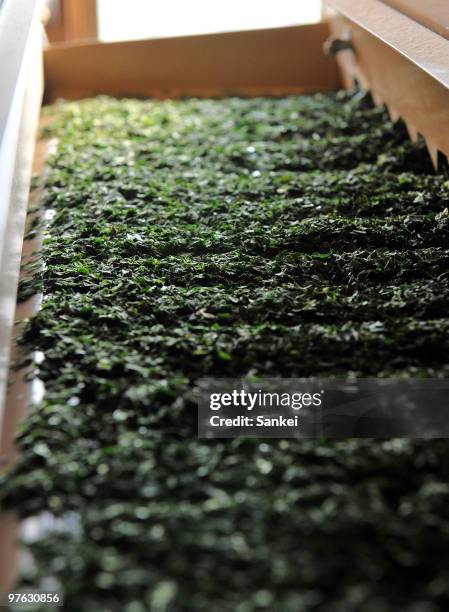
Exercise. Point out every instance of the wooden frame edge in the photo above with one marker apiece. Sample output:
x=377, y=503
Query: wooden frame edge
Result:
x=15, y=174
x=415, y=42
x=274, y=61
x=405, y=85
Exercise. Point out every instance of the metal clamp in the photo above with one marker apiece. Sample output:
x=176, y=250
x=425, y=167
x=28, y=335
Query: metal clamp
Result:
x=333, y=46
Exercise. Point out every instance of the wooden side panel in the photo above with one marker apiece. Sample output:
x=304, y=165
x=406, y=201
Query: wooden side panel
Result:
x=403, y=63
x=20, y=112
x=411, y=39
x=407, y=91
x=17, y=161
x=272, y=61
x=433, y=14
x=20, y=391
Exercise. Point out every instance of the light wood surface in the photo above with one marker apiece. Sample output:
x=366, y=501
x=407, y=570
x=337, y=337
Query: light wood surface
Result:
x=434, y=14
x=412, y=40
x=403, y=63
x=273, y=61
x=20, y=112
x=16, y=155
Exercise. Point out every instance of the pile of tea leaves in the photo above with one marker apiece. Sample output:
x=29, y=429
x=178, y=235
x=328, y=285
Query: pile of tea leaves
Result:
x=302, y=236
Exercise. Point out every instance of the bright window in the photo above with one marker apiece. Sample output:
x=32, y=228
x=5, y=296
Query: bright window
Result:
x=133, y=19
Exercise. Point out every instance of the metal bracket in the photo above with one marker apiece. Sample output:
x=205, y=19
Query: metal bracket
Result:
x=333, y=46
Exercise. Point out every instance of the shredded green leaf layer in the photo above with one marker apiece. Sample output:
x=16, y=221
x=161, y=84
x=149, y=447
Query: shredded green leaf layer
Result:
x=303, y=236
